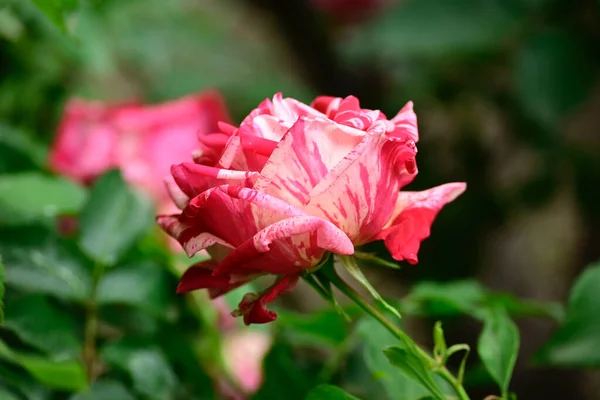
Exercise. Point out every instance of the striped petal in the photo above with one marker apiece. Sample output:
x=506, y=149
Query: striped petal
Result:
x=194, y=179
x=231, y=215
x=244, y=152
x=192, y=238
x=291, y=245
x=413, y=215
x=199, y=276
x=359, y=193
x=304, y=157
x=177, y=195
x=406, y=123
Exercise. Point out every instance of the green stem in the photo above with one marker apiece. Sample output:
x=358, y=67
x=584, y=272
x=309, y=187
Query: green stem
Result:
x=310, y=279
x=375, y=313
x=91, y=325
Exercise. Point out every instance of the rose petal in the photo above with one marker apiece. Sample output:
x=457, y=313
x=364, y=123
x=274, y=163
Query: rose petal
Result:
x=304, y=156
x=406, y=123
x=226, y=128
x=412, y=218
x=235, y=157
x=359, y=193
x=191, y=237
x=85, y=142
x=253, y=306
x=226, y=214
x=323, y=103
x=292, y=245
x=244, y=351
x=177, y=195
x=266, y=127
x=194, y=179
x=199, y=276
x=203, y=109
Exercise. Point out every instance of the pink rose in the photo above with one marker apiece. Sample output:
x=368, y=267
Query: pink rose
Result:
x=243, y=353
x=142, y=140
x=292, y=183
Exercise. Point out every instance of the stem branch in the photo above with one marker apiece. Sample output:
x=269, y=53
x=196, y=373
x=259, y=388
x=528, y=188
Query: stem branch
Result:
x=91, y=325
x=375, y=313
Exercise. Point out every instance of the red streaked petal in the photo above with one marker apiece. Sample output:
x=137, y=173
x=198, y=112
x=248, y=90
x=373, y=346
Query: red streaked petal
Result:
x=406, y=124
x=304, y=156
x=226, y=128
x=199, y=276
x=290, y=245
x=358, y=194
x=253, y=307
x=194, y=179
x=412, y=219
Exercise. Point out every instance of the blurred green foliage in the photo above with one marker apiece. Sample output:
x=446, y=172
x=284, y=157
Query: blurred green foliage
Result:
x=573, y=343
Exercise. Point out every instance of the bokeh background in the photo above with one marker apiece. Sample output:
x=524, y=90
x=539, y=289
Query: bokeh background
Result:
x=508, y=99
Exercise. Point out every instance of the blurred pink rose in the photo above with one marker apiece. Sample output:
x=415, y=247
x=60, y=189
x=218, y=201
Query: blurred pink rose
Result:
x=244, y=352
x=142, y=140
x=292, y=183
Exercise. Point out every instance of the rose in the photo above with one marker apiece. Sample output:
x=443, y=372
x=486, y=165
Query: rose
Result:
x=142, y=140
x=292, y=183
x=243, y=353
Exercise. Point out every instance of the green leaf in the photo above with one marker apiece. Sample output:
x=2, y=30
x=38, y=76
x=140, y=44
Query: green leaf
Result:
x=18, y=152
x=65, y=375
x=439, y=342
x=371, y=259
x=349, y=262
x=282, y=370
x=40, y=324
x=526, y=308
x=142, y=285
x=148, y=367
x=463, y=363
x=104, y=390
x=1, y=291
x=152, y=374
x=498, y=347
x=57, y=11
x=130, y=320
x=397, y=386
x=442, y=352
x=113, y=219
x=37, y=260
x=324, y=327
x=435, y=28
x=553, y=74
x=329, y=392
x=27, y=197
x=193, y=368
x=68, y=375
x=438, y=299
x=414, y=368
x=445, y=299
x=577, y=342
x=22, y=382
x=5, y=395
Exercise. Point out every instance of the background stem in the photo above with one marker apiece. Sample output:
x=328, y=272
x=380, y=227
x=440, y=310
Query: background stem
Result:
x=375, y=313
x=91, y=324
